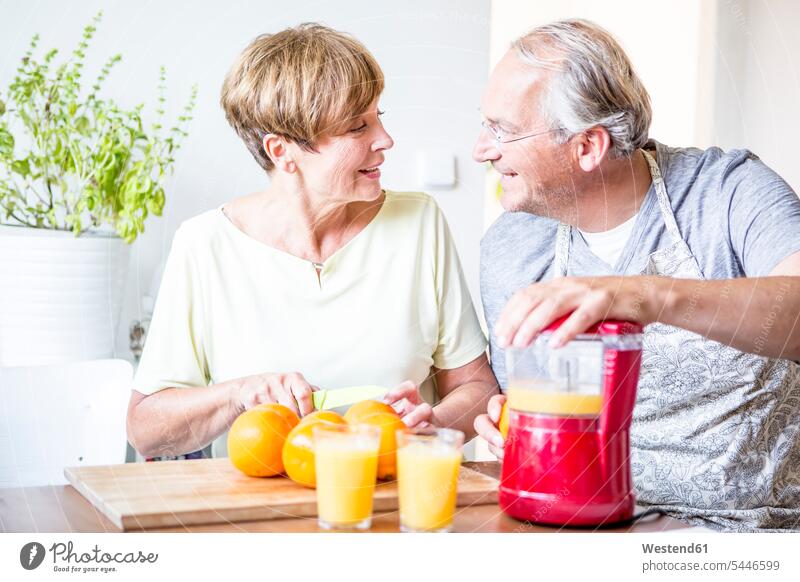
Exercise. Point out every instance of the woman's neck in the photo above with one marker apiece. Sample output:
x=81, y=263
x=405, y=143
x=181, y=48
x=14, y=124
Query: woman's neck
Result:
x=299, y=224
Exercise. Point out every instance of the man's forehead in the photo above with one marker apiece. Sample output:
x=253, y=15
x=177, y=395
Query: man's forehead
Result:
x=513, y=91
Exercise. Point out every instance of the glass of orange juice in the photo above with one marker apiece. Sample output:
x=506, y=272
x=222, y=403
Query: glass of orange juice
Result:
x=346, y=461
x=428, y=461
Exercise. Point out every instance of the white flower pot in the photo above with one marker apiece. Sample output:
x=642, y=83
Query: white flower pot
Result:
x=60, y=296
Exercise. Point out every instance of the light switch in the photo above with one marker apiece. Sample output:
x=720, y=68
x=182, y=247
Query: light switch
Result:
x=436, y=169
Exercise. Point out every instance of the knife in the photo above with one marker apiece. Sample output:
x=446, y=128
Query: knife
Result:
x=334, y=398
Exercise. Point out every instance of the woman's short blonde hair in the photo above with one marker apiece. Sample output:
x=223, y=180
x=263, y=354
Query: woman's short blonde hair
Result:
x=298, y=83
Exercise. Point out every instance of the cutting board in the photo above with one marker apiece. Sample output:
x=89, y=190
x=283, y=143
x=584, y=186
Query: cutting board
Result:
x=176, y=493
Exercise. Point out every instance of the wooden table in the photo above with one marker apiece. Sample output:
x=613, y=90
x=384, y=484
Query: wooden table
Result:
x=62, y=509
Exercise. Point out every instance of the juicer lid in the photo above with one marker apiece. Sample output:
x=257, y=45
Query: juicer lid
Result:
x=605, y=327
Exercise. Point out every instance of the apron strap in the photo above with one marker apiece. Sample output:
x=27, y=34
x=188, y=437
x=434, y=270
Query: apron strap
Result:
x=663, y=199
x=564, y=236
x=563, y=239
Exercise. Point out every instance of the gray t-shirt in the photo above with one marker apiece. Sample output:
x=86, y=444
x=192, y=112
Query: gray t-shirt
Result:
x=738, y=217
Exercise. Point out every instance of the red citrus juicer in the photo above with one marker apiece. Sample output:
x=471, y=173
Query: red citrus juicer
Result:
x=567, y=454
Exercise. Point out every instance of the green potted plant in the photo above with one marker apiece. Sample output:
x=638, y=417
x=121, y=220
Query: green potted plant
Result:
x=79, y=175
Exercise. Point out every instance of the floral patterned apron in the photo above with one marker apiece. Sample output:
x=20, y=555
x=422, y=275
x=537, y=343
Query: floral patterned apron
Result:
x=715, y=438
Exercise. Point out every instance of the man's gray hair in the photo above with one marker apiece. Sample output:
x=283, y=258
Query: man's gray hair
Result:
x=593, y=85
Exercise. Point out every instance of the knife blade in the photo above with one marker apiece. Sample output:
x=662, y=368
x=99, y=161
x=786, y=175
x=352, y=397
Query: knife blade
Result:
x=334, y=398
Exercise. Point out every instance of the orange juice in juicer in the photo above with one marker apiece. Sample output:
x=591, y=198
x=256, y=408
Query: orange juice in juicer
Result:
x=567, y=454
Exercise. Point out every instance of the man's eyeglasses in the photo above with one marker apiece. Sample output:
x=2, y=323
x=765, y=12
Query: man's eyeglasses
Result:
x=500, y=136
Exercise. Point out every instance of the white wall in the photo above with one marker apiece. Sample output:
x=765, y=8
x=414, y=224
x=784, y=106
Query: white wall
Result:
x=758, y=81
x=434, y=54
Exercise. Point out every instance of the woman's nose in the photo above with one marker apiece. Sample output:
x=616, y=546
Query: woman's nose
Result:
x=485, y=149
x=383, y=141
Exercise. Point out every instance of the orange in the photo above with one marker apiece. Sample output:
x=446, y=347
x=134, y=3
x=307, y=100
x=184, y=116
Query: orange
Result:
x=255, y=442
x=326, y=415
x=298, y=452
x=376, y=414
x=365, y=407
x=502, y=425
x=286, y=412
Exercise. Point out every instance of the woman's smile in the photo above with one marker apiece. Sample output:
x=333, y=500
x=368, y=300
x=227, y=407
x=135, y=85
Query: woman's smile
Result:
x=373, y=173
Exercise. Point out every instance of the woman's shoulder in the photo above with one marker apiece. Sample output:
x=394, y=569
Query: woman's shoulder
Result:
x=408, y=204
x=419, y=197
x=201, y=222
x=201, y=230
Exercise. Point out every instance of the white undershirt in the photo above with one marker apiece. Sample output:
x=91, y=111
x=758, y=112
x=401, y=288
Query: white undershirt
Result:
x=608, y=245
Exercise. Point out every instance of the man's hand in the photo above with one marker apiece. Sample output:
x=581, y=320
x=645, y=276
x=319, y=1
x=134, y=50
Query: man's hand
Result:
x=486, y=425
x=589, y=299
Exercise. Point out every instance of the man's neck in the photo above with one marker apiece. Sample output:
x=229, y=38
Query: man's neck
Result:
x=614, y=195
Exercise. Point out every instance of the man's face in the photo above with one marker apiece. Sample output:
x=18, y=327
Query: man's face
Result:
x=536, y=173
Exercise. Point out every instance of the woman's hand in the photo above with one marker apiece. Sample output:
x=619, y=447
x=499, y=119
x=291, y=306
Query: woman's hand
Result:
x=407, y=401
x=291, y=390
x=486, y=425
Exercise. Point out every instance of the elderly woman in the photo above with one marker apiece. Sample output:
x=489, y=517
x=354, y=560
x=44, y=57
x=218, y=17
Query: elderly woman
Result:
x=323, y=280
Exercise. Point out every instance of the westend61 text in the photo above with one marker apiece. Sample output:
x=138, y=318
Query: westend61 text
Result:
x=675, y=549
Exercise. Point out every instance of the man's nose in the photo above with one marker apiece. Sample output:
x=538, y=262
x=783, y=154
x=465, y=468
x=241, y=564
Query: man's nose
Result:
x=485, y=149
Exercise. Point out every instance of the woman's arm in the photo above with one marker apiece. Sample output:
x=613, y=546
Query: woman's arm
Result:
x=465, y=393
x=175, y=421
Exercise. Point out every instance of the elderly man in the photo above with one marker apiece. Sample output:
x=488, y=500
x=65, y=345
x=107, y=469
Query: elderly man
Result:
x=701, y=246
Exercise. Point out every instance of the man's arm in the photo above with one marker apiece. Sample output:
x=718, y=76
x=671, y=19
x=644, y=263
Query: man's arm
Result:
x=756, y=315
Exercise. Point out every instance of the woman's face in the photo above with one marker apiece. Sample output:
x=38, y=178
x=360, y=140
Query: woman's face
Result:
x=346, y=166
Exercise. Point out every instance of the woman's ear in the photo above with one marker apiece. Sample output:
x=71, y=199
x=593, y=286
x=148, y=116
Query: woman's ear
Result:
x=276, y=149
x=591, y=147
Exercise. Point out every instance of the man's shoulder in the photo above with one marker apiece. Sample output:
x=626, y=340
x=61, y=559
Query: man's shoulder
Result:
x=516, y=250
x=694, y=166
x=517, y=229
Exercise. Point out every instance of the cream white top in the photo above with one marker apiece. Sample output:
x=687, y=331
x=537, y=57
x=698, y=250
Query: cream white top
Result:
x=387, y=306
x=608, y=245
